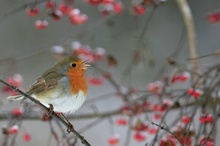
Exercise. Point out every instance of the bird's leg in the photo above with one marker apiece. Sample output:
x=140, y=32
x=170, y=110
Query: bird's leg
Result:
x=50, y=110
x=69, y=126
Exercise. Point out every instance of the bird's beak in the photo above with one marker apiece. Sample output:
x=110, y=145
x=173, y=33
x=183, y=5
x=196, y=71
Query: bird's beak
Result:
x=85, y=65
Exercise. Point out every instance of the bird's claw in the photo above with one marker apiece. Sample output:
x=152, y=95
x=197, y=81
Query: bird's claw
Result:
x=69, y=127
x=50, y=110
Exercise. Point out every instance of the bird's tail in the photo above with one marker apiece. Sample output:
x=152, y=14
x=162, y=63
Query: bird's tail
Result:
x=16, y=97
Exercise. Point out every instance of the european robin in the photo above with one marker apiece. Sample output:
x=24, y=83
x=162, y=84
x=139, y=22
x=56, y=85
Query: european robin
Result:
x=63, y=86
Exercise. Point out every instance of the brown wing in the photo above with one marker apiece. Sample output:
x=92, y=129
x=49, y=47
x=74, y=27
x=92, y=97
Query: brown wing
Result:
x=47, y=81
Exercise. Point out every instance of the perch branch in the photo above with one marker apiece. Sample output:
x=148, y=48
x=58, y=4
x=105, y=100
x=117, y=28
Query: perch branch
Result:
x=83, y=140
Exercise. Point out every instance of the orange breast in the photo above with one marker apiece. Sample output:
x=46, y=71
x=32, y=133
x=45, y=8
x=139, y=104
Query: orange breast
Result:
x=77, y=84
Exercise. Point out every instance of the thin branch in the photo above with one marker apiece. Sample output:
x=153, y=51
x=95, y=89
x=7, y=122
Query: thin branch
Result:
x=166, y=129
x=14, y=11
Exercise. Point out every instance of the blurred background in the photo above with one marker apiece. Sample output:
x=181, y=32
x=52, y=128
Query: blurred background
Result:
x=157, y=34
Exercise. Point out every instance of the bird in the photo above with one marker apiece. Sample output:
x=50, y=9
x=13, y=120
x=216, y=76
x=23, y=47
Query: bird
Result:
x=63, y=86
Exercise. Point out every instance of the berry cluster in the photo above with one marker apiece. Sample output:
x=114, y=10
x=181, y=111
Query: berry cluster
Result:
x=56, y=12
x=106, y=7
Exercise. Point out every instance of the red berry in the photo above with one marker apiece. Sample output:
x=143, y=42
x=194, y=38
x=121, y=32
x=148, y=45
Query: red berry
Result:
x=26, y=137
x=15, y=80
x=185, y=119
x=184, y=76
x=65, y=9
x=78, y=19
x=114, y=140
x=139, y=137
x=13, y=129
x=214, y=18
x=157, y=116
x=209, y=118
x=152, y=131
x=139, y=9
x=202, y=119
x=17, y=111
x=206, y=141
x=95, y=81
x=32, y=12
x=41, y=24
x=107, y=1
x=95, y=2
x=190, y=91
x=140, y=126
x=186, y=140
x=117, y=7
x=50, y=5
x=121, y=122
x=155, y=87
x=156, y=107
x=174, y=78
x=167, y=142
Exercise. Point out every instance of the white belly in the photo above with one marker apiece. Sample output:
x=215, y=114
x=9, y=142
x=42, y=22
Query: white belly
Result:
x=67, y=103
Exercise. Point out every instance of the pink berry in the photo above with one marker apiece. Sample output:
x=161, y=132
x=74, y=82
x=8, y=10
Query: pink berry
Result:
x=41, y=24
x=26, y=137
x=32, y=12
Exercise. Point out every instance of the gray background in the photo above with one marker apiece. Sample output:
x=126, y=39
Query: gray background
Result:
x=118, y=35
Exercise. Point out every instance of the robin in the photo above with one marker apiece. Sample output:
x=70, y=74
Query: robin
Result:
x=62, y=87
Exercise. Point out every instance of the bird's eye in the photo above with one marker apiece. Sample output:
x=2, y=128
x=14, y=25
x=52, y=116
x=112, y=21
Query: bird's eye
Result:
x=73, y=64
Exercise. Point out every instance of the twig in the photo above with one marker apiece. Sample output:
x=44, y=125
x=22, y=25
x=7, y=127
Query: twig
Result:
x=164, y=128
x=53, y=132
x=18, y=9
x=128, y=136
x=83, y=140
